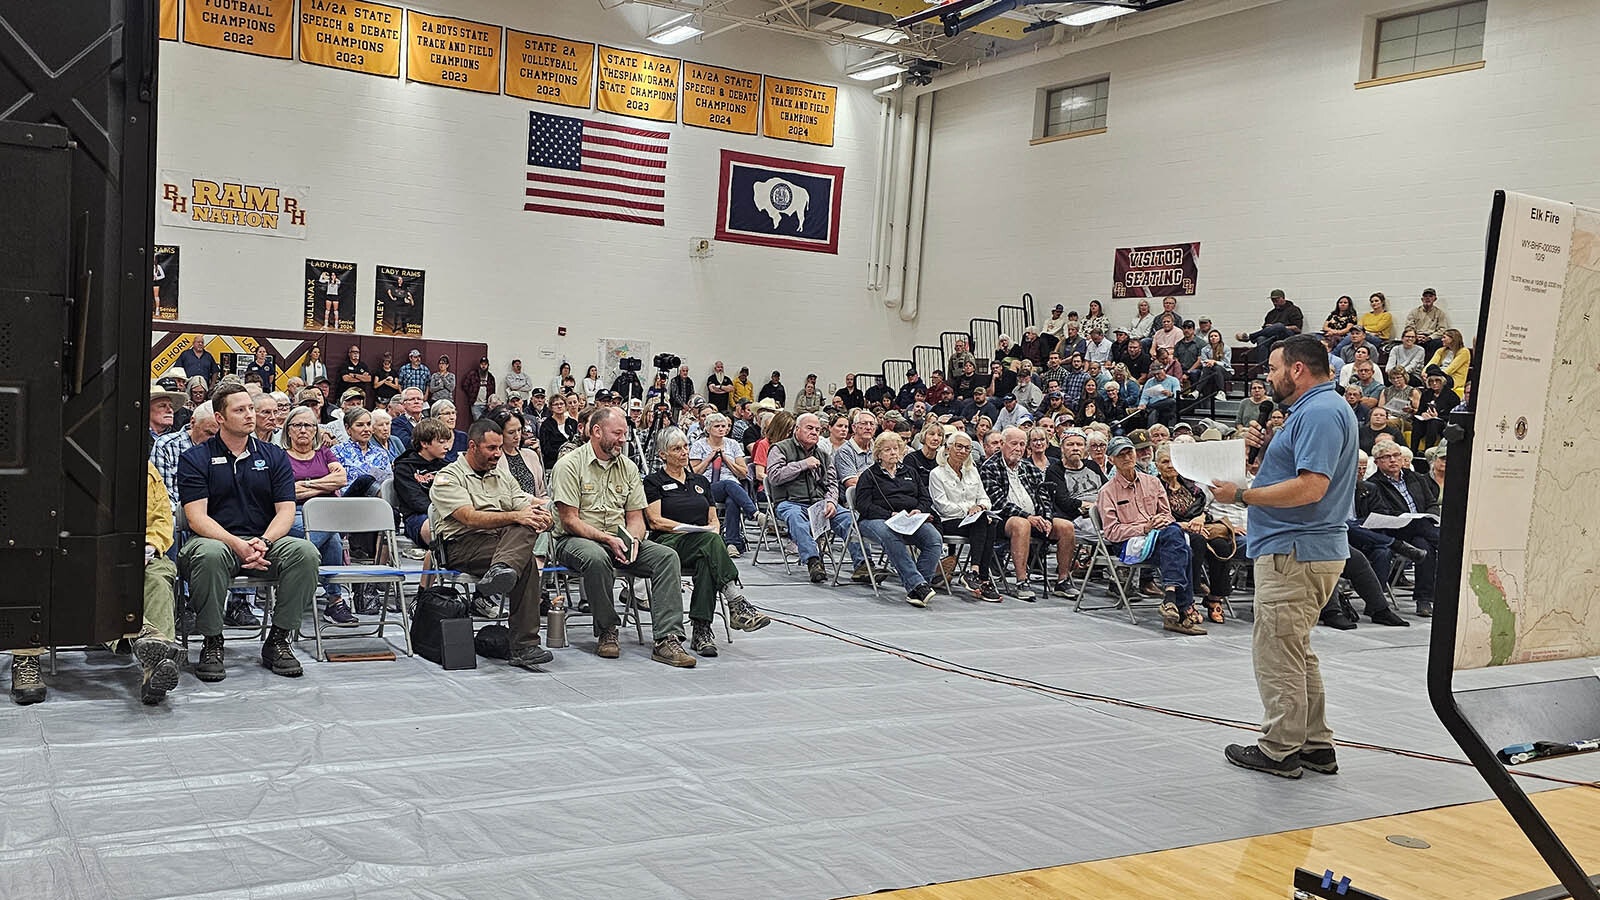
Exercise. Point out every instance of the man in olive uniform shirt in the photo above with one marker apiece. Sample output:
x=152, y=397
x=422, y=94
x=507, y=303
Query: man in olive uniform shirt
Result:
x=489, y=526
x=600, y=529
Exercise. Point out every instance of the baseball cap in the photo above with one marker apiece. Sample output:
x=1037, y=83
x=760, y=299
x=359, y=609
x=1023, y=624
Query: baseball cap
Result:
x=1118, y=445
x=1119, y=331
x=1059, y=308
x=1211, y=434
x=1277, y=294
x=636, y=403
x=353, y=394
x=910, y=372
x=415, y=352
x=1183, y=426
x=538, y=392
x=1139, y=439
x=1009, y=398
x=602, y=395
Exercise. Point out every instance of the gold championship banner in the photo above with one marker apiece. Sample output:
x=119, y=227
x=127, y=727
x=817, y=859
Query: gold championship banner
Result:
x=169, y=20
x=452, y=52
x=724, y=99
x=258, y=27
x=638, y=84
x=549, y=69
x=799, y=111
x=351, y=35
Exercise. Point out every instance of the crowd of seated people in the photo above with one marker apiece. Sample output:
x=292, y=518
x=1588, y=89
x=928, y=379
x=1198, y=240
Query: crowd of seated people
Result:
x=1007, y=453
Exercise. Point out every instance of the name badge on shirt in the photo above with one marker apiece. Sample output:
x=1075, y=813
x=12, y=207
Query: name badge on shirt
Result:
x=669, y=487
x=219, y=460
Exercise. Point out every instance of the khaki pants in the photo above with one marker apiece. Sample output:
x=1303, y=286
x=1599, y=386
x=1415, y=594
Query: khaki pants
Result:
x=474, y=552
x=1289, y=597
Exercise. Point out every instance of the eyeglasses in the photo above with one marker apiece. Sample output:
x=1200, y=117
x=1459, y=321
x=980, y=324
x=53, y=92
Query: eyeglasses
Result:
x=303, y=425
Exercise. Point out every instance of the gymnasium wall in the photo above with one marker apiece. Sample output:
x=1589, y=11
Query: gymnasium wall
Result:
x=426, y=177
x=1246, y=133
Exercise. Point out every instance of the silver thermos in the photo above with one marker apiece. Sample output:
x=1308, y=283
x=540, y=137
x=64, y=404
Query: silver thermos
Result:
x=555, y=623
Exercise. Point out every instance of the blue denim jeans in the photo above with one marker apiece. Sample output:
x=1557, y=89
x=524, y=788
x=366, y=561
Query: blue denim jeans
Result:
x=1171, y=555
x=799, y=524
x=330, y=548
x=913, y=573
x=736, y=505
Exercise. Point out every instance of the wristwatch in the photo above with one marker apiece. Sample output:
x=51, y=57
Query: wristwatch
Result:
x=1242, y=501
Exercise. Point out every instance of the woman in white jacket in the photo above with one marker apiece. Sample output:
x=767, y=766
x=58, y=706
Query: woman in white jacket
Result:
x=958, y=493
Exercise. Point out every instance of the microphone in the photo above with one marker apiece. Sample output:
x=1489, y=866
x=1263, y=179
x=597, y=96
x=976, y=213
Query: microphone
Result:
x=1262, y=416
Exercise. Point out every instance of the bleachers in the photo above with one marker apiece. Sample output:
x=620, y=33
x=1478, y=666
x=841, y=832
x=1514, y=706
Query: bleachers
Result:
x=1011, y=319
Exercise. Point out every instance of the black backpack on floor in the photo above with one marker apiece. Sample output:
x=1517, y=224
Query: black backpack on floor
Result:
x=435, y=605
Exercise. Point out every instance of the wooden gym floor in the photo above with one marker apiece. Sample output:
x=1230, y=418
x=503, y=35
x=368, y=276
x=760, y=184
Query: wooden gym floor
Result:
x=1476, y=852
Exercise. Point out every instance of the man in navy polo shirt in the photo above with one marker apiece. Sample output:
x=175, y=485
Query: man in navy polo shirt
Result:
x=1297, y=506
x=238, y=496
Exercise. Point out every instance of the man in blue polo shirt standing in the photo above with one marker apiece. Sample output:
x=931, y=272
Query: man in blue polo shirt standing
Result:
x=238, y=496
x=1298, y=506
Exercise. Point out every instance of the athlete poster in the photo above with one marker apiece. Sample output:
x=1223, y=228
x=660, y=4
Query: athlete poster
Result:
x=330, y=296
x=397, y=301
x=164, y=284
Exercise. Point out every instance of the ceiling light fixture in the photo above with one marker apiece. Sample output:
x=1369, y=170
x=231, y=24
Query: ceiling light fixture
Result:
x=674, y=31
x=881, y=66
x=1094, y=14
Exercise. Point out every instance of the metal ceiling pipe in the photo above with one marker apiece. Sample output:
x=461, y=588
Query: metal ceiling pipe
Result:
x=915, y=47
x=900, y=208
x=880, y=194
x=920, y=164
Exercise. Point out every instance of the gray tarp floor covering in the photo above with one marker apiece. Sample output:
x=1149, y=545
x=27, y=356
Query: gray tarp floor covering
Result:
x=795, y=765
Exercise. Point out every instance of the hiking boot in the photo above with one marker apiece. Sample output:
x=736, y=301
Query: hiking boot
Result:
x=1334, y=616
x=1170, y=614
x=209, y=668
x=278, y=657
x=987, y=591
x=1251, y=757
x=1187, y=622
x=815, y=571
x=918, y=596
x=1320, y=761
x=701, y=640
x=734, y=552
x=863, y=574
x=608, y=648
x=743, y=617
x=1409, y=551
x=497, y=581
x=1387, y=616
x=669, y=650
x=1150, y=589
x=1424, y=609
x=27, y=684
x=530, y=656
x=946, y=571
x=159, y=659
x=337, y=612
x=484, y=607
x=1063, y=588
x=237, y=614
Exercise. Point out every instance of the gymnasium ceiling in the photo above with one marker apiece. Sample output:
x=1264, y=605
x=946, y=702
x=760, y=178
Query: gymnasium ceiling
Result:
x=869, y=25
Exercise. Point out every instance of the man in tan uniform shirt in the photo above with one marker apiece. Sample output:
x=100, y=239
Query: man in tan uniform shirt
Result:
x=488, y=527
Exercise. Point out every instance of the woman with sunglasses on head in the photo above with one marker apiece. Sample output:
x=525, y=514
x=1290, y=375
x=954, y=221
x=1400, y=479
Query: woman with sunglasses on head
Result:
x=317, y=473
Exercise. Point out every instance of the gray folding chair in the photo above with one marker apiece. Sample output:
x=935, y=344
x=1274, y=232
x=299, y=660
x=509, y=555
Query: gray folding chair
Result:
x=359, y=515
x=855, y=535
x=771, y=535
x=1117, y=572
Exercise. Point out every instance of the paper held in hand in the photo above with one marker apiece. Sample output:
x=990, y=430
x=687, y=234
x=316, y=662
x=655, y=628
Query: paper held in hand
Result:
x=1395, y=523
x=1208, y=462
x=972, y=517
x=905, y=522
x=818, y=514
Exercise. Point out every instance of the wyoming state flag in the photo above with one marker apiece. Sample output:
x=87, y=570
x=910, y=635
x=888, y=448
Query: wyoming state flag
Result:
x=779, y=202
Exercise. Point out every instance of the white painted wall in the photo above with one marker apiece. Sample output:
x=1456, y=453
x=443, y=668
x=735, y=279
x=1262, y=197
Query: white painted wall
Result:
x=1245, y=133
x=415, y=175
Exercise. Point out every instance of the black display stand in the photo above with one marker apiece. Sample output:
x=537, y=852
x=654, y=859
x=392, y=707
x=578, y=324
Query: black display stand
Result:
x=1505, y=710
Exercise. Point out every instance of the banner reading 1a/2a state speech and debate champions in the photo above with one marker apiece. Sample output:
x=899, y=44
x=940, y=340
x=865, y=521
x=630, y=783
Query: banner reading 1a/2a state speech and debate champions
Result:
x=397, y=301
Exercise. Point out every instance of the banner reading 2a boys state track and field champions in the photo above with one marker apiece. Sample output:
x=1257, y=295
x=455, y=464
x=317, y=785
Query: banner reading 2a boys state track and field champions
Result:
x=1166, y=270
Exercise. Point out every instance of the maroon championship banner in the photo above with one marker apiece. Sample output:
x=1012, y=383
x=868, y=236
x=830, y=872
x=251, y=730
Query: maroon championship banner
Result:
x=1165, y=270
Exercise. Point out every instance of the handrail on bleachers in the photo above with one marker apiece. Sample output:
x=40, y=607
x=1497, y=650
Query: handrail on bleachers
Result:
x=1027, y=306
x=894, y=372
x=927, y=358
x=1013, y=321
x=985, y=335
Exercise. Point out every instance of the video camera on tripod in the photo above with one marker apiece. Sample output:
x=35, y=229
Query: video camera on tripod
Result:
x=666, y=362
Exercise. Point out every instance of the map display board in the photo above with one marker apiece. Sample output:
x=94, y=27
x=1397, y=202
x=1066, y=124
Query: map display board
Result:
x=1530, y=587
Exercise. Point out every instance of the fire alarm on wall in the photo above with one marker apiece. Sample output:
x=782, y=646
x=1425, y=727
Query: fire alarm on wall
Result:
x=561, y=331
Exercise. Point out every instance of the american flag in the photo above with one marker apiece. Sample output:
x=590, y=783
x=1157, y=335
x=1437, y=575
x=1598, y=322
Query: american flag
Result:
x=580, y=167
